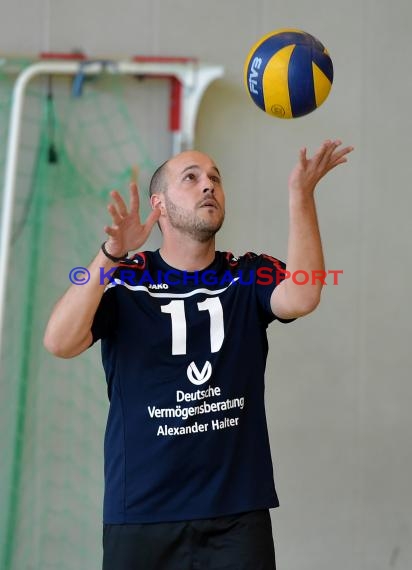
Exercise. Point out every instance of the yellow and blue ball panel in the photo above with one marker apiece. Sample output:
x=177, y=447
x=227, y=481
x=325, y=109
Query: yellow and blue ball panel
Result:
x=288, y=73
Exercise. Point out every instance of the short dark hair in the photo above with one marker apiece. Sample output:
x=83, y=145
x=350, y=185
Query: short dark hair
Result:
x=158, y=181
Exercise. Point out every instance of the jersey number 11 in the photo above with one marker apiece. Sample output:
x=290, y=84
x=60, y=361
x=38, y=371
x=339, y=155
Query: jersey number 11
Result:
x=176, y=309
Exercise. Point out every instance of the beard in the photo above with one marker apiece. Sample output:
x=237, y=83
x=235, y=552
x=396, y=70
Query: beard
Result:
x=190, y=223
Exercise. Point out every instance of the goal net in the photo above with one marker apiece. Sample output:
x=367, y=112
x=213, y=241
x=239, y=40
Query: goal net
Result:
x=80, y=138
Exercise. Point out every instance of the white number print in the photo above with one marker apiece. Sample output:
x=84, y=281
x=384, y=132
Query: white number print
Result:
x=176, y=310
x=217, y=330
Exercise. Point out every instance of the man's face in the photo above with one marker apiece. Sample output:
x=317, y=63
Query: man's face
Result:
x=193, y=200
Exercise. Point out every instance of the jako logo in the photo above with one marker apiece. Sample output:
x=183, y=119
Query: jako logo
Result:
x=158, y=286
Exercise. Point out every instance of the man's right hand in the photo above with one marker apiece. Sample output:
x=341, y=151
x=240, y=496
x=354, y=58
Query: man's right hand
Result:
x=127, y=233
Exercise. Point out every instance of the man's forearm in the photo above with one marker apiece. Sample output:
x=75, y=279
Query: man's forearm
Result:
x=68, y=331
x=305, y=255
x=299, y=293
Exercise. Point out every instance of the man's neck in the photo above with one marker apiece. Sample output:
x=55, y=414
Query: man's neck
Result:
x=187, y=254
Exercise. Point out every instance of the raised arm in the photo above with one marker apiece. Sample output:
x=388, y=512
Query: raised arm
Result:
x=68, y=332
x=305, y=253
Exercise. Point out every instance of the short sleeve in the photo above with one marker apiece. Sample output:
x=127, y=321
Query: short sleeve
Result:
x=269, y=273
x=104, y=321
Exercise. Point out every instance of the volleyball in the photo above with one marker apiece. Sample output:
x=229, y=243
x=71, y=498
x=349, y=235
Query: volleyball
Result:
x=288, y=73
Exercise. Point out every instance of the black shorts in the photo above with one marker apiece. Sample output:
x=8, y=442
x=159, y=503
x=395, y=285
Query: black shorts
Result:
x=238, y=542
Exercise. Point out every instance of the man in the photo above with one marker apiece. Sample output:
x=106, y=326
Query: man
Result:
x=188, y=472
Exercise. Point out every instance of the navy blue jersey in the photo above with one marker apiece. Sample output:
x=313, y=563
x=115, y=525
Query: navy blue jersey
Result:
x=185, y=356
